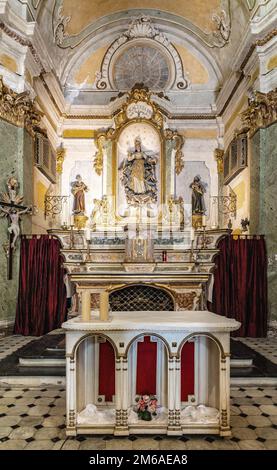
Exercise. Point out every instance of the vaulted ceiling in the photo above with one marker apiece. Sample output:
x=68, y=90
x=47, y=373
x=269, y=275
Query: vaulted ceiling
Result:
x=95, y=46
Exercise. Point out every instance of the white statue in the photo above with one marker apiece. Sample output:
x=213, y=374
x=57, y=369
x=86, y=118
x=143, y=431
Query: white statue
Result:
x=14, y=218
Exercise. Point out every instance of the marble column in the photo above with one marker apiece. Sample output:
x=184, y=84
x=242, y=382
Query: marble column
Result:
x=16, y=157
x=71, y=398
x=263, y=202
x=224, y=396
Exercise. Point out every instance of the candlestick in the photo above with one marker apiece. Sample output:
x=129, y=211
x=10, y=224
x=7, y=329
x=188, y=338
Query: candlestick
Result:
x=104, y=306
x=88, y=257
x=71, y=245
x=86, y=307
x=191, y=251
x=87, y=234
x=204, y=245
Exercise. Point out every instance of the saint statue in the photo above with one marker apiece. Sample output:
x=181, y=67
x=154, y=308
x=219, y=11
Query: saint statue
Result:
x=78, y=190
x=197, y=198
x=139, y=176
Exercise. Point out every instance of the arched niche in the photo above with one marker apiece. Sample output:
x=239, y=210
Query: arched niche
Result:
x=200, y=359
x=94, y=355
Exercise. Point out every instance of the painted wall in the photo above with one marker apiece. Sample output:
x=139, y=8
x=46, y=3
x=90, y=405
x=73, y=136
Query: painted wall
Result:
x=41, y=186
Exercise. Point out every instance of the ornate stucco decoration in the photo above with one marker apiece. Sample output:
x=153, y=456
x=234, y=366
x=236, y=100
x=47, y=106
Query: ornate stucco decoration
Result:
x=141, y=28
x=179, y=142
x=138, y=107
x=60, y=27
x=18, y=109
x=261, y=112
x=60, y=154
x=186, y=300
x=222, y=28
x=218, y=37
x=218, y=154
x=100, y=143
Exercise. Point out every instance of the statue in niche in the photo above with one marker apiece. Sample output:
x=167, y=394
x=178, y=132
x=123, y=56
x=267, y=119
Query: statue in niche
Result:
x=139, y=176
x=197, y=198
x=78, y=189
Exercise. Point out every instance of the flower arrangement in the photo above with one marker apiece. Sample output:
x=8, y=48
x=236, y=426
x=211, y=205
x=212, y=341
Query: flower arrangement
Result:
x=146, y=407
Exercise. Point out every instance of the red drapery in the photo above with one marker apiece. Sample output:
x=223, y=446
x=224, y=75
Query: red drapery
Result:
x=187, y=371
x=240, y=284
x=41, y=305
x=146, y=366
x=106, y=371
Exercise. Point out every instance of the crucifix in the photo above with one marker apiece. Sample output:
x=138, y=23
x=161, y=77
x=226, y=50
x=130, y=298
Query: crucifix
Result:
x=11, y=207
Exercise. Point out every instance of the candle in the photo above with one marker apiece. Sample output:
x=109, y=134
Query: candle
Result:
x=72, y=220
x=104, y=306
x=86, y=298
x=87, y=233
x=192, y=234
x=204, y=220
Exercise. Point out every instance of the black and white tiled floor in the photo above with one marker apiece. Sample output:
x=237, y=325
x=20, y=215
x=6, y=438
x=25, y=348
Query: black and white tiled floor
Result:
x=34, y=418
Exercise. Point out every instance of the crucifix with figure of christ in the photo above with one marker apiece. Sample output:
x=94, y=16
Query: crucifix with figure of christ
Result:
x=11, y=207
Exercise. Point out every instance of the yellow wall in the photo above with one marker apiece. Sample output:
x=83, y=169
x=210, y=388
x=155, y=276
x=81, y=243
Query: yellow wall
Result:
x=8, y=62
x=198, y=74
x=87, y=71
x=84, y=12
x=272, y=63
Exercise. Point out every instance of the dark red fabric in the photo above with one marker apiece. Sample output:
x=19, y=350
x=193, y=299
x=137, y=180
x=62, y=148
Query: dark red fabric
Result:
x=106, y=371
x=41, y=304
x=146, y=367
x=187, y=371
x=240, y=284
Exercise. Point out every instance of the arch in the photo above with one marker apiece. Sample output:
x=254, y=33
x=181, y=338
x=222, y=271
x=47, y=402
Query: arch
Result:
x=72, y=355
x=208, y=335
x=147, y=333
x=109, y=31
x=141, y=287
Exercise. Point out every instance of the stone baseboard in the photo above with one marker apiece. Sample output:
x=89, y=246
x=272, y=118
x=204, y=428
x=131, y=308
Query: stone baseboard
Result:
x=6, y=328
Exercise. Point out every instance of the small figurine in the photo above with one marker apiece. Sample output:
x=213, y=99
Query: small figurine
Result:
x=245, y=224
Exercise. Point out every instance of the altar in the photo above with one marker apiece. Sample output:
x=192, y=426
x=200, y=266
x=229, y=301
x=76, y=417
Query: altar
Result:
x=138, y=239
x=146, y=354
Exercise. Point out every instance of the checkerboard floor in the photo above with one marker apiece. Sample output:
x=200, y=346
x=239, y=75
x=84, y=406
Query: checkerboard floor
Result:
x=34, y=418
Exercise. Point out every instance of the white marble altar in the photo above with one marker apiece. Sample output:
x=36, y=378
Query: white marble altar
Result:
x=172, y=329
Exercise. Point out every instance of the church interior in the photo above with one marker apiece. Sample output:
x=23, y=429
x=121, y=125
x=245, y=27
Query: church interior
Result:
x=138, y=221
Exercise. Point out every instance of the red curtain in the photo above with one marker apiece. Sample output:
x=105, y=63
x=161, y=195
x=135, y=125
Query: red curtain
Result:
x=41, y=305
x=146, y=367
x=106, y=371
x=187, y=371
x=240, y=284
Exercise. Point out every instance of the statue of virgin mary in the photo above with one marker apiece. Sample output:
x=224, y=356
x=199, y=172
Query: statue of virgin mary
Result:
x=139, y=176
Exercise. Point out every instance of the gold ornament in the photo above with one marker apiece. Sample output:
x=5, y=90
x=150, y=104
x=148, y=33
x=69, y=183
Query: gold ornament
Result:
x=218, y=153
x=18, y=109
